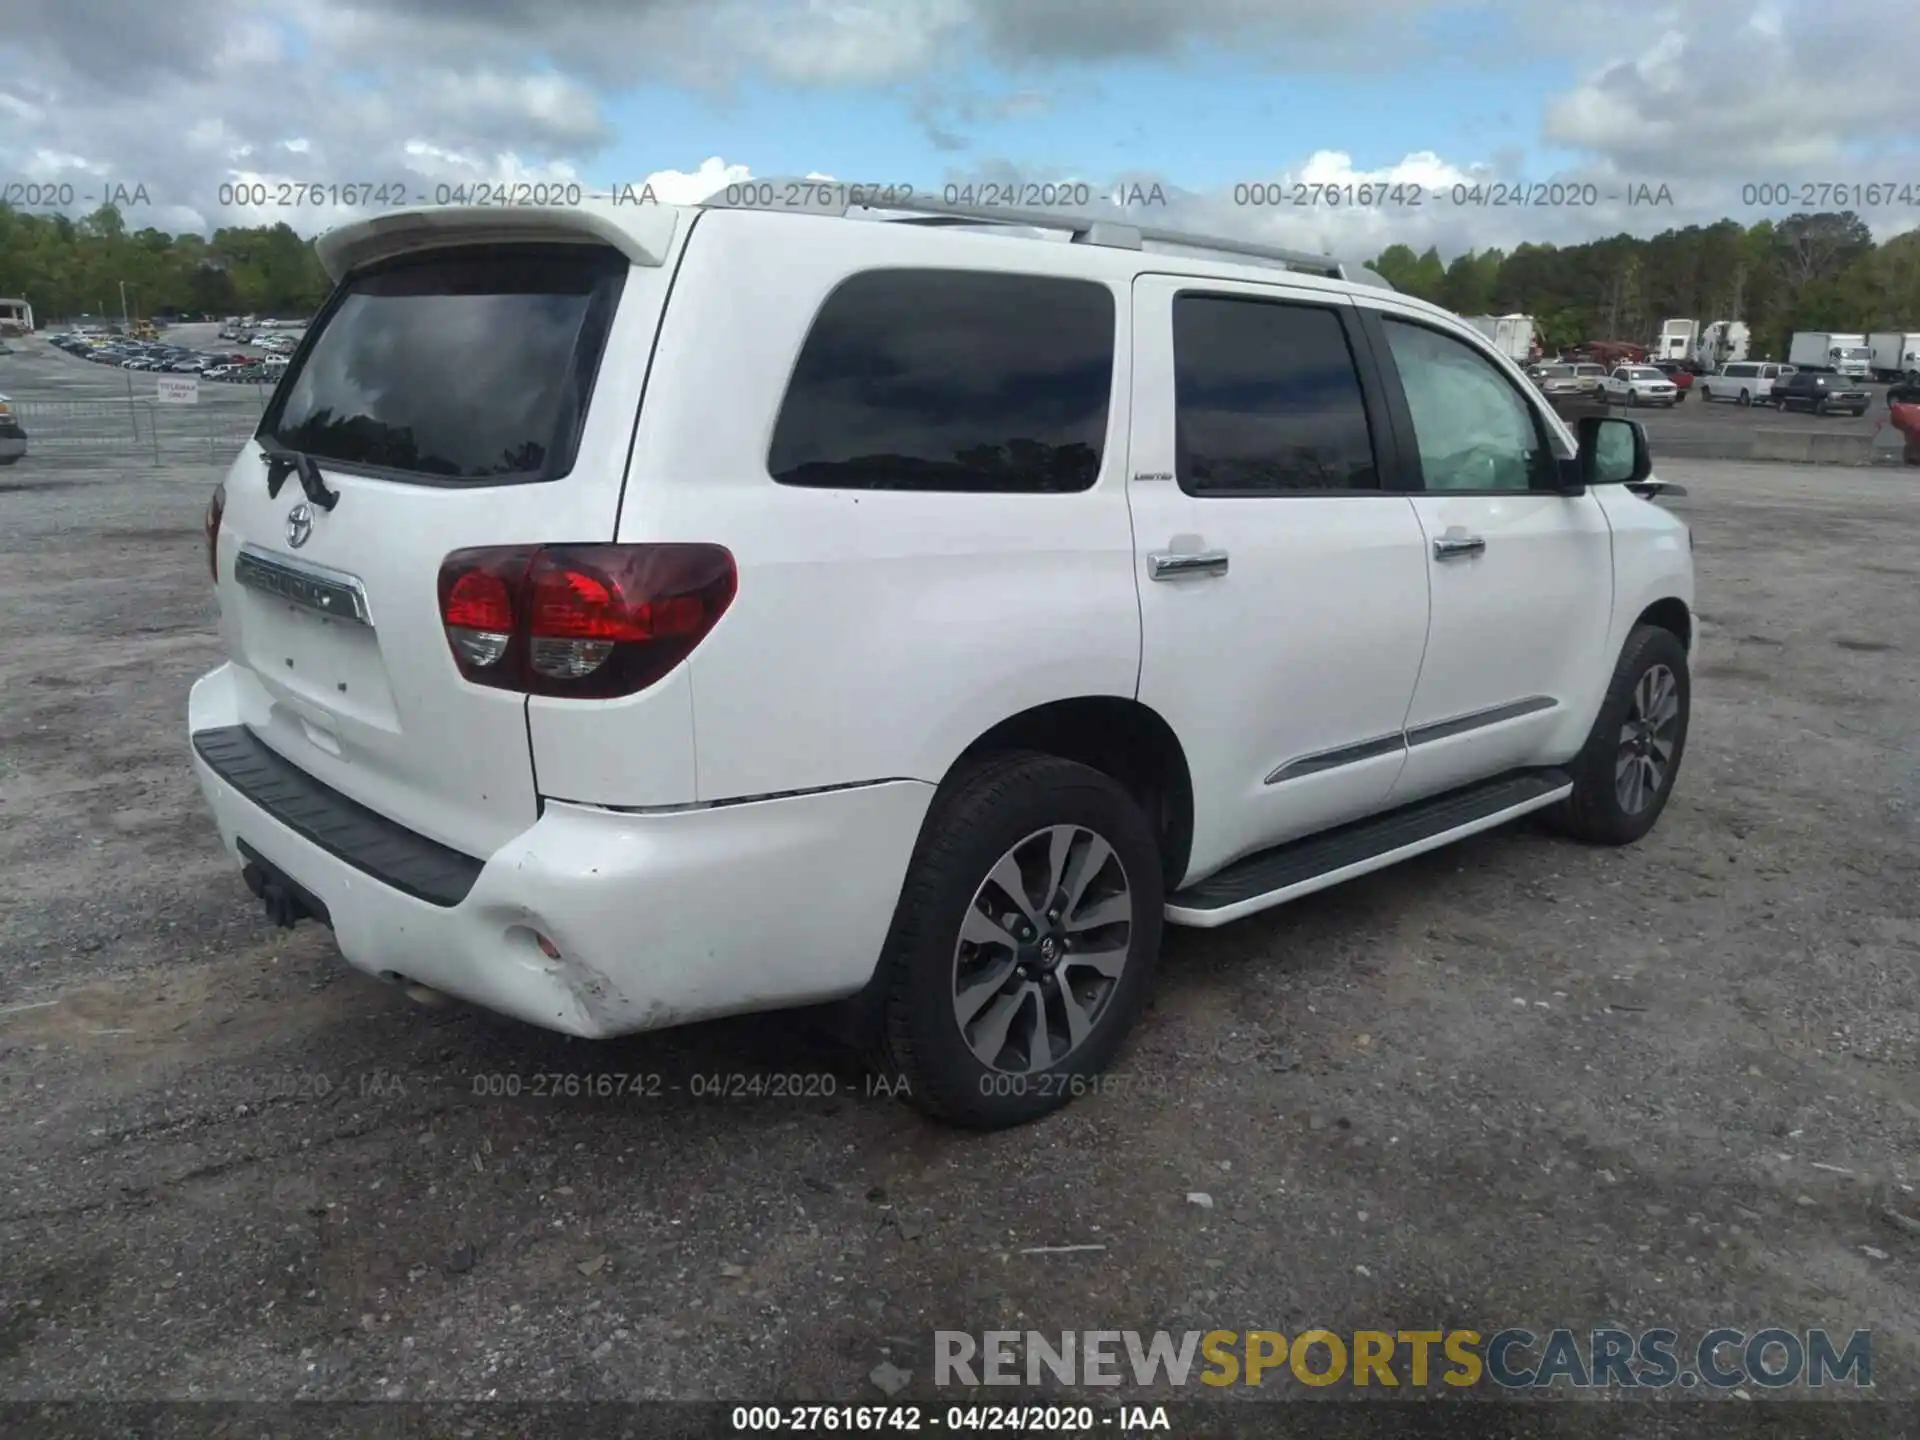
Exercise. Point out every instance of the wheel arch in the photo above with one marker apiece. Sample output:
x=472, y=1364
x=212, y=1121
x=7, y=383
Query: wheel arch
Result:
x=1120, y=737
x=1671, y=614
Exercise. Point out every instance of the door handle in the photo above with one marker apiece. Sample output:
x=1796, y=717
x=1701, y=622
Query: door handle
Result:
x=1177, y=566
x=1453, y=547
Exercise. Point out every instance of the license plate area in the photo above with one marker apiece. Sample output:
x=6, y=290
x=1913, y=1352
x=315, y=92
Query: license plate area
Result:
x=303, y=585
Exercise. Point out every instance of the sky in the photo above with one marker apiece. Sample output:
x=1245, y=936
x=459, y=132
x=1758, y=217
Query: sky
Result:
x=1333, y=125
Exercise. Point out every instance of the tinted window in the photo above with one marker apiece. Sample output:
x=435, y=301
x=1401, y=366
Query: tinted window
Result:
x=465, y=366
x=1266, y=400
x=950, y=380
x=1473, y=429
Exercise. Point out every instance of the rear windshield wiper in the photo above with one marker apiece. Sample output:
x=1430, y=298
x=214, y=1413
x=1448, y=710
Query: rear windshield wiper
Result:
x=282, y=462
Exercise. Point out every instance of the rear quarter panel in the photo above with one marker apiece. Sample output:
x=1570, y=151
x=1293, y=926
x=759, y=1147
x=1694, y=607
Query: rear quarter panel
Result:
x=876, y=634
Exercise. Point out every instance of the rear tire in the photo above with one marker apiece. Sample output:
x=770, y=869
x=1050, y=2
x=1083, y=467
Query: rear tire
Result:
x=996, y=1008
x=1746, y=398
x=1625, y=772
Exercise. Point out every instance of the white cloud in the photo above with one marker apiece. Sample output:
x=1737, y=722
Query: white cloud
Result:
x=681, y=187
x=1705, y=95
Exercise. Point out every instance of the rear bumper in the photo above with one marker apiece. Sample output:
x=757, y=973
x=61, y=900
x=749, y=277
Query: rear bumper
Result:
x=660, y=918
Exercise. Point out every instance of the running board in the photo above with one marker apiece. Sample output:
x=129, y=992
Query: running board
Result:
x=1299, y=867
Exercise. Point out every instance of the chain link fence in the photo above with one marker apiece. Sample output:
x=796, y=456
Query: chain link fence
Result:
x=208, y=431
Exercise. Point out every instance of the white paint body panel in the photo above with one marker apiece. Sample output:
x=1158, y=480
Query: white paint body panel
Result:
x=660, y=919
x=877, y=634
x=1273, y=661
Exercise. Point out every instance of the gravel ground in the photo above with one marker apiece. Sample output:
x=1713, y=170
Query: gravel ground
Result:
x=1518, y=1082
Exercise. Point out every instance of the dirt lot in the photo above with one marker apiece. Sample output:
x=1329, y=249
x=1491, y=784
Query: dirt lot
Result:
x=1519, y=1082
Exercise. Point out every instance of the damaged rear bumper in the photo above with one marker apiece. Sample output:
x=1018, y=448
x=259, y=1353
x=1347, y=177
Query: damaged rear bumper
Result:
x=593, y=922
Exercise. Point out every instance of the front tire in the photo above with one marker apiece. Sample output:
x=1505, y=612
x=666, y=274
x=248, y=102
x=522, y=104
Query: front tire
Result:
x=1746, y=397
x=1023, y=945
x=1625, y=772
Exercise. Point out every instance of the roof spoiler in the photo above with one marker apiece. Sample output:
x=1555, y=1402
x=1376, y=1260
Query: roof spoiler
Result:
x=643, y=233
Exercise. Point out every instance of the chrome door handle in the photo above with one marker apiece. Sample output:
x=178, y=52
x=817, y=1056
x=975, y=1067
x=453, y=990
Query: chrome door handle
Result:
x=1175, y=566
x=1452, y=547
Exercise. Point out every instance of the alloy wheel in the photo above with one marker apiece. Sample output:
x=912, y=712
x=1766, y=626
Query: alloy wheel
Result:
x=1645, y=755
x=1041, y=950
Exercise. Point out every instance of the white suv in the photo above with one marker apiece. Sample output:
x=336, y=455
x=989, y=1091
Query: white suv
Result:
x=646, y=614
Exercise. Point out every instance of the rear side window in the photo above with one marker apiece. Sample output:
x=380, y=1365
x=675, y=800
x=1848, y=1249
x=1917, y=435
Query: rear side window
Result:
x=1266, y=400
x=950, y=380
x=469, y=366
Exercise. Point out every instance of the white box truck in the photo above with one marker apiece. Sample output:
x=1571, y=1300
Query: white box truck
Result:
x=1514, y=336
x=1831, y=350
x=1724, y=342
x=1895, y=354
x=1676, y=340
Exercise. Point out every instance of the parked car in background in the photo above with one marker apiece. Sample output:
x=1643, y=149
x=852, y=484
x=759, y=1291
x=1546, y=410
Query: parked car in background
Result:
x=1639, y=385
x=1745, y=382
x=1822, y=394
x=1680, y=373
x=1560, y=381
x=13, y=439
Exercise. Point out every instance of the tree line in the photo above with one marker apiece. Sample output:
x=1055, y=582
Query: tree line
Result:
x=1808, y=272
x=67, y=268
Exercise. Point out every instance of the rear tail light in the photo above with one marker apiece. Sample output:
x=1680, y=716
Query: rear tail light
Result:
x=216, y=507
x=588, y=621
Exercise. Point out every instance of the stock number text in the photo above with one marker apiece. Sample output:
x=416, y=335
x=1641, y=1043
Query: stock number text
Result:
x=1825, y=196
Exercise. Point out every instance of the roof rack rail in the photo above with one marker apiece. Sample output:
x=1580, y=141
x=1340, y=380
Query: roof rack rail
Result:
x=835, y=198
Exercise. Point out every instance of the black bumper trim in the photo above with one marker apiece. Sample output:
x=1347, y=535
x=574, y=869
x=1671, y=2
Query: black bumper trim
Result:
x=344, y=828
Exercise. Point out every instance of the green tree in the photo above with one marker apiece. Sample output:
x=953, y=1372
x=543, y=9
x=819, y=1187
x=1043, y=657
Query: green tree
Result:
x=1813, y=272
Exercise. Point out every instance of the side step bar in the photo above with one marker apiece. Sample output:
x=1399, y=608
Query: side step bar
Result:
x=1299, y=867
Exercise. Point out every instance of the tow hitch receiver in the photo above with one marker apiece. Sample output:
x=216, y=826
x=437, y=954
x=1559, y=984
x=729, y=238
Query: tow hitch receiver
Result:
x=287, y=902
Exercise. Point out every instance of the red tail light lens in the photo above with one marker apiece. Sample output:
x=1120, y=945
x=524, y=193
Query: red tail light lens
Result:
x=588, y=621
x=210, y=527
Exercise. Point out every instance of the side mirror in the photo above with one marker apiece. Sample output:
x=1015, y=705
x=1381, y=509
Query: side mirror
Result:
x=1613, y=451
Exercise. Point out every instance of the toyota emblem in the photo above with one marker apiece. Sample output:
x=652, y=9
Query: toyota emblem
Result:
x=299, y=524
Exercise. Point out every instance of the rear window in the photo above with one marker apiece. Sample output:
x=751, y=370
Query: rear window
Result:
x=950, y=380
x=469, y=366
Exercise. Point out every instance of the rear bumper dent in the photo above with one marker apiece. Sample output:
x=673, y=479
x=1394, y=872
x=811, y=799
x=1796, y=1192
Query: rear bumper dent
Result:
x=659, y=919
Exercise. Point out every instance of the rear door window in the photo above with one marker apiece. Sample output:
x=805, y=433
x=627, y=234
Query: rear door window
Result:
x=470, y=366
x=950, y=380
x=1267, y=399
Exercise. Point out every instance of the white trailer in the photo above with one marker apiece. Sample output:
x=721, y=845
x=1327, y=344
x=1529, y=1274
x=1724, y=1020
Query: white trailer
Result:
x=1724, y=342
x=1831, y=350
x=1676, y=340
x=1514, y=336
x=1894, y=354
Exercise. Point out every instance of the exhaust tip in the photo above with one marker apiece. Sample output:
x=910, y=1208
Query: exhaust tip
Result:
x=424, y=994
